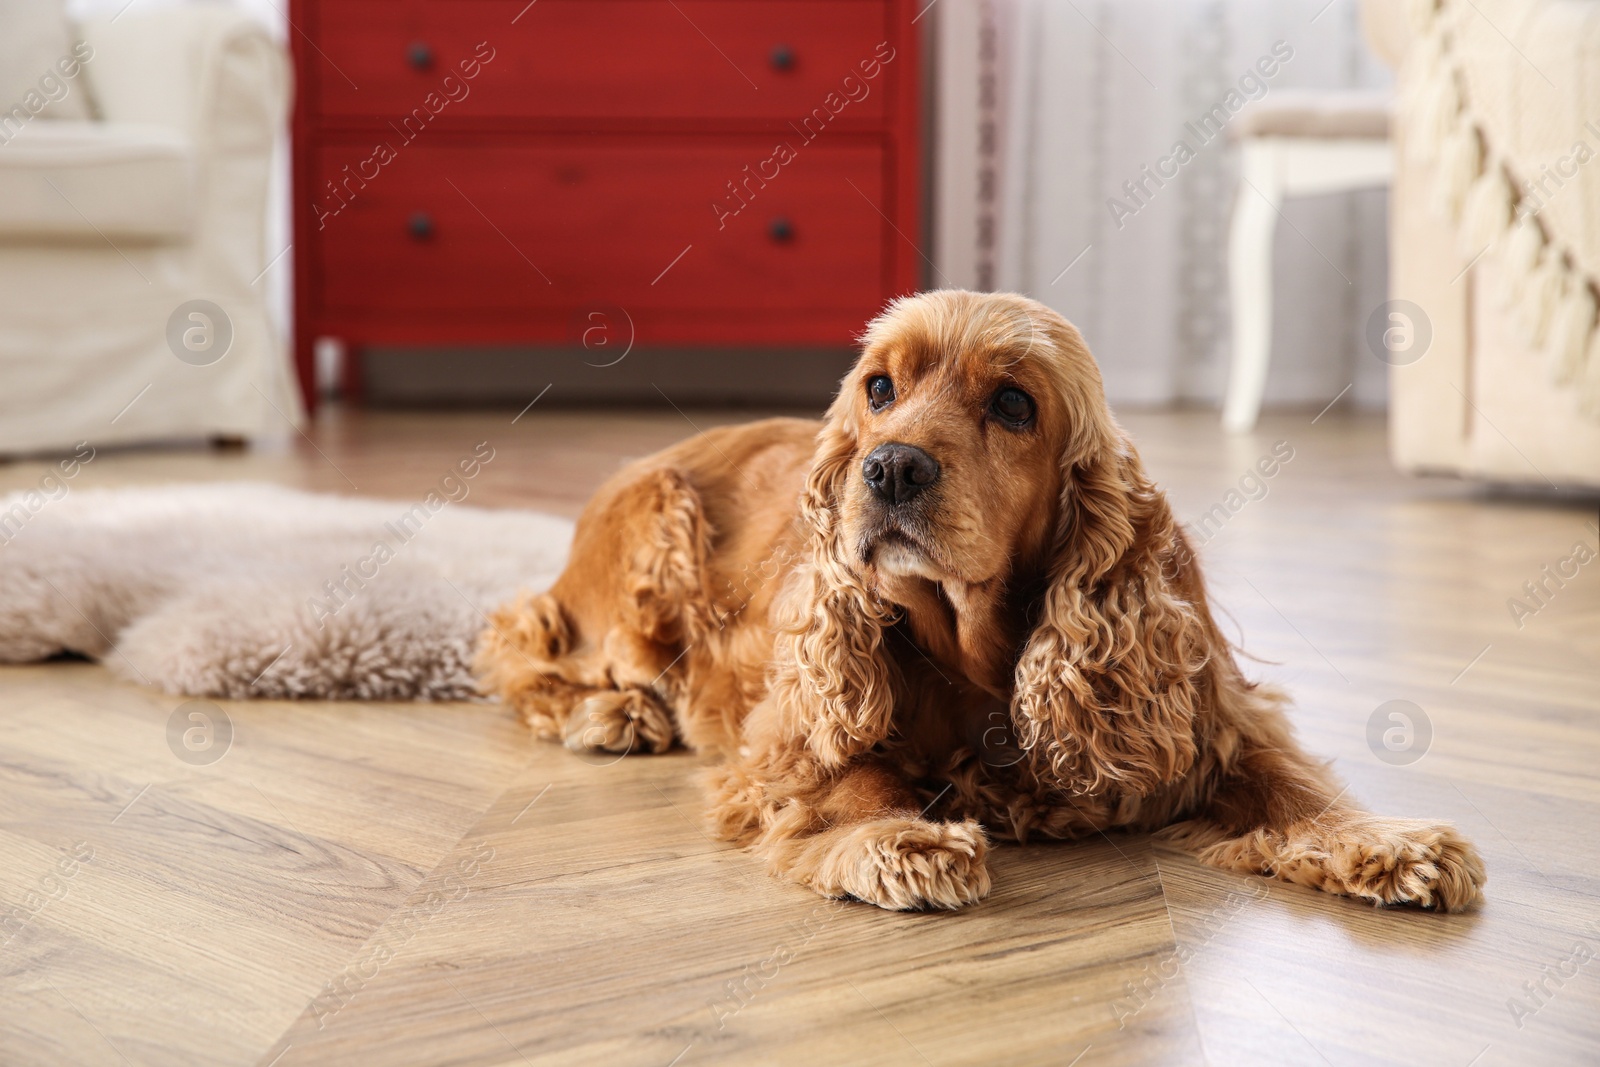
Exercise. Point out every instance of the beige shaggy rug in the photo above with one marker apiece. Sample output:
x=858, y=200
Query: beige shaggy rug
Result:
x=241, y=590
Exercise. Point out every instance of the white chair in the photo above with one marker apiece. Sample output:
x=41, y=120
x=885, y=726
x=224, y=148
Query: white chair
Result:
x=1291, y=144
x=131, y=243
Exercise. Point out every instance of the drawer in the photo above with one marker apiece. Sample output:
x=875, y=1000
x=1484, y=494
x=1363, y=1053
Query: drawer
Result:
x=554, y=222
x=573, y=60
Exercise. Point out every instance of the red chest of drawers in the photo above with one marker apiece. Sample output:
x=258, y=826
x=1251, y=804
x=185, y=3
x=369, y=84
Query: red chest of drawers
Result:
x=724, y=172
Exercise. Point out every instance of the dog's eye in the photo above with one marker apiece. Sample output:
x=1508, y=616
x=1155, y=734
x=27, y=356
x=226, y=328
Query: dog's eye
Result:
x=1012, y=406
x=880, y=391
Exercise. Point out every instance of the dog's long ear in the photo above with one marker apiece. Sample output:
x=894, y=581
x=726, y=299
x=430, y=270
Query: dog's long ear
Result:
x=833, y=677
x=1108, y=684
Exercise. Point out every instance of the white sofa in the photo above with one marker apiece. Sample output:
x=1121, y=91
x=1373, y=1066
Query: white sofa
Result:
x=1495, y=96
x=132, y=244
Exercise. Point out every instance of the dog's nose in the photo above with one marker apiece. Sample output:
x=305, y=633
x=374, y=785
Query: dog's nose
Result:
x=897, y=472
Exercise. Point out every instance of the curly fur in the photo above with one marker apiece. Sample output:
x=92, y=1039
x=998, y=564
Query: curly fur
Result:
x=831, y=671
x=1023, y=649
x=1109, y=684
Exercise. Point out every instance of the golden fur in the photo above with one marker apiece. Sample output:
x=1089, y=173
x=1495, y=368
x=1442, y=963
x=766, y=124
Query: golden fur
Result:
x=1023, y=649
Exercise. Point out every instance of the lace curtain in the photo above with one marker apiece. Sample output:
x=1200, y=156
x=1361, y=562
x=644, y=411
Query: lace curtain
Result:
x=1055, y=121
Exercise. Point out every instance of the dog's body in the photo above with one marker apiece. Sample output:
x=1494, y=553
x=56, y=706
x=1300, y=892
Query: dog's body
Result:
x=955, y=606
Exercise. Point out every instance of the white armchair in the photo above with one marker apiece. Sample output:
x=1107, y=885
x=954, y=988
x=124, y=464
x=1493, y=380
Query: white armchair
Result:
x=132, y=246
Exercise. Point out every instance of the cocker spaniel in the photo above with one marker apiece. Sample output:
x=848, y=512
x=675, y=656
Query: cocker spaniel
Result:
x=955, y=609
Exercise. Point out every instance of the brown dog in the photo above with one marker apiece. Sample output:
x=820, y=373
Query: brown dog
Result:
x=957, y=607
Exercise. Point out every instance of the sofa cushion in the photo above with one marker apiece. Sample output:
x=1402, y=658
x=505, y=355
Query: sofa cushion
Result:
x=117, y=180
x=40, y=63
x=1324, y=115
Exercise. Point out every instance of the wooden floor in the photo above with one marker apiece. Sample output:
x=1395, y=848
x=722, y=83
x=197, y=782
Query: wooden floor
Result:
x=388, y=884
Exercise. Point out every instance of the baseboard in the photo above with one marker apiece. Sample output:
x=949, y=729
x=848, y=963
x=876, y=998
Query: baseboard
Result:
x=475, y=376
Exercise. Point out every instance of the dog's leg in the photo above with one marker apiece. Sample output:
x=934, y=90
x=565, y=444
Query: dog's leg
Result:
x=1277, y=813
x=590, y=718
x=619, y=720
x=596, y=662
x=519, y=660
x=854, y=833
x=524, y=659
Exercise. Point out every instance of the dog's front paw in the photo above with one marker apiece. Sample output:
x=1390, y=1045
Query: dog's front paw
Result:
x=908, y=864
x=619, y=721
x=532, y=626
x=1404, y=861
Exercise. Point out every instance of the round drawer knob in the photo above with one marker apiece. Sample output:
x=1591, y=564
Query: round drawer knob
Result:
x=419, y=55
x=781, y=230
x=420, y=225
x=782, y=57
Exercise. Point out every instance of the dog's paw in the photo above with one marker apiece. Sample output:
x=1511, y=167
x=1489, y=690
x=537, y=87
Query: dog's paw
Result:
x=908, y=864
x=1403, y=861
x=619, y=721
x=531, y=626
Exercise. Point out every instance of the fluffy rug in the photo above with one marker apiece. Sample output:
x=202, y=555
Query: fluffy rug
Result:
x=243, y=590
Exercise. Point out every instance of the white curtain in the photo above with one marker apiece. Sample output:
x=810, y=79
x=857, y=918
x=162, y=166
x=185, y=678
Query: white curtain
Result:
x=1044, y=109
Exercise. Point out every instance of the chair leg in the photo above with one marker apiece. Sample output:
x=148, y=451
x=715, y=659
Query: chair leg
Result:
x=1255, y=215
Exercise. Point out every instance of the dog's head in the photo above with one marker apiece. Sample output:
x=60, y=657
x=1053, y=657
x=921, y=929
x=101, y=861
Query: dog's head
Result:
x=951, y=436
x=971, y=448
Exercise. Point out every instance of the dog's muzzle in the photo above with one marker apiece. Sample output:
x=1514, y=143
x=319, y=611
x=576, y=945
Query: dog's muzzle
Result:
x=897, y=472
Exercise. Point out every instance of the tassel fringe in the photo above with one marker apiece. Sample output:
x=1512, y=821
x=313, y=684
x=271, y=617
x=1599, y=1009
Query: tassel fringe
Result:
x=1488, y=212
x=1539, y=300
x=1552, y=304
x=1570, y=331
x=1522, y=251
x=1459, y=162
